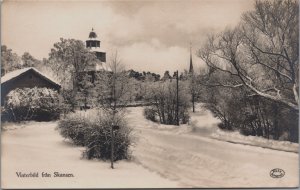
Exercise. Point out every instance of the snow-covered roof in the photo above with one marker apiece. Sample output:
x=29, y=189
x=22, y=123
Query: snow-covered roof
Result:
x=16, y=73
x=94, y=49
x=98, y=66
x=102, y=66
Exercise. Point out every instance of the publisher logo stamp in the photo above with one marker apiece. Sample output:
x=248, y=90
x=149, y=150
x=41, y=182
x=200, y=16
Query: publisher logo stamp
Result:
x=277, y=173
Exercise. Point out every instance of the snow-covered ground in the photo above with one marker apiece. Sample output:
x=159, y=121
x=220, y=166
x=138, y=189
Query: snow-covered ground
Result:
x=236, y=137
x=190, y=156
x=163, y=156
x=37, y=147
x=204, y=124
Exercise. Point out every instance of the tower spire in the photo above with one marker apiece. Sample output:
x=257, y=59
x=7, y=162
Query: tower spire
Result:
x=191, y=70
x=92, y=34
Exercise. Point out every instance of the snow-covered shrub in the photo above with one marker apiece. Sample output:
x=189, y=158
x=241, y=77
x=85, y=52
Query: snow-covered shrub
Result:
x=75, y=127
x=67, y=102
x=93, y=130
x=163, y=97
x=150, y=114
x=99, y=142
x=184, y=115
x=41, y=104
x=250, y=115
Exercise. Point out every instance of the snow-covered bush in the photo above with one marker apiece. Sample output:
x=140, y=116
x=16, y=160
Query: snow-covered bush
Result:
x=250, y=115
x=150, y=114
x=41, y=104
x=99, y=142
x=92, y=129
x=67, y=102
x=162, y=96
x=75, y=127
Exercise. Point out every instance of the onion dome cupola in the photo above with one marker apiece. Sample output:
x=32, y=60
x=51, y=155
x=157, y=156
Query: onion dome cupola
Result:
x=92, y=34
x=93, y=40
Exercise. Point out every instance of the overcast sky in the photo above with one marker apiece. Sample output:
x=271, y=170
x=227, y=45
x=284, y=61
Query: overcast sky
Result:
x=149, y=35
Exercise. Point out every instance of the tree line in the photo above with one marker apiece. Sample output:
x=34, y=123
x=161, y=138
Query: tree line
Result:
x=11, y=61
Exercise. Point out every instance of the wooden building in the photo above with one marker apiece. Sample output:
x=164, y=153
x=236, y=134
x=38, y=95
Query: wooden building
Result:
x=26, y=78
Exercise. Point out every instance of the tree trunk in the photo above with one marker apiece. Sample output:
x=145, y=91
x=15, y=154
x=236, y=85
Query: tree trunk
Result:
x=74, y=92
x=276, y=128
x=193, y=100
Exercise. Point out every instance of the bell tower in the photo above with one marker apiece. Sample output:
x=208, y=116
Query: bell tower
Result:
x=93, y=43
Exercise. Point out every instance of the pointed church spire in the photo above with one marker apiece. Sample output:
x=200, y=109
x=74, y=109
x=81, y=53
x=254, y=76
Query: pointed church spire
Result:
x=191, y=70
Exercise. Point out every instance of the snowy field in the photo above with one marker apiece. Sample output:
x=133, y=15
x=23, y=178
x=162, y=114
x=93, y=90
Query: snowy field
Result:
x=37, y=147
x=163, y=156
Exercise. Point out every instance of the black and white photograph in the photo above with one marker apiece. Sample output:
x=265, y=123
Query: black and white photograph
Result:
x=117, y=94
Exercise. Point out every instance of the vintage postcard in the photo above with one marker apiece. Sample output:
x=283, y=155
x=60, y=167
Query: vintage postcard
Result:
x=149, y=94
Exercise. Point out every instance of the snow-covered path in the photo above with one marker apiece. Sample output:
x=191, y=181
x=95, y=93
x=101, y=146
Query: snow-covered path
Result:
x=173, y=157
x=198, y=161
x=38, y=147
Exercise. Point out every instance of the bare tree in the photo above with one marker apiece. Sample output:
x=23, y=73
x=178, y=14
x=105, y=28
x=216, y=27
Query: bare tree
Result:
x=164, y=101
x=112, y=90
x=112, y=85
x=261, y=54
x=193, y=88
